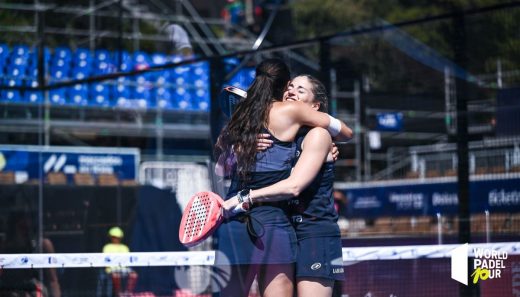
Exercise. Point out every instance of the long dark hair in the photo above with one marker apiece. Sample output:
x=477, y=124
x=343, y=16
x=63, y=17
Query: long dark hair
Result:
x=252, y=115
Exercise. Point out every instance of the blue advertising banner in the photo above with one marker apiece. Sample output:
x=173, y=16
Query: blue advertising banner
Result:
x=389, y=121
x=494, y=195
x=32, y=162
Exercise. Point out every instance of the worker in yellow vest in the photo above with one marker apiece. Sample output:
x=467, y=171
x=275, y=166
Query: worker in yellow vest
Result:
x=118, y=274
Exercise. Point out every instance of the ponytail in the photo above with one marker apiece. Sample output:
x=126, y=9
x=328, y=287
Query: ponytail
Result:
x=251, y=115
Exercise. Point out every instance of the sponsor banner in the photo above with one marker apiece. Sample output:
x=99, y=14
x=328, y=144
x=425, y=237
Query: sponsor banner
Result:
x=389, y=121
x=499, y=195
x=9, y=261
x=32, y=162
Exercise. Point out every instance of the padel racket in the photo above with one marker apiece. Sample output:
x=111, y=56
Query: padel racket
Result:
x=202, y=216
x=229, y=97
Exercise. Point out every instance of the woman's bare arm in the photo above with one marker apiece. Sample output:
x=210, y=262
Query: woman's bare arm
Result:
x=317, y=145
x=301, y=114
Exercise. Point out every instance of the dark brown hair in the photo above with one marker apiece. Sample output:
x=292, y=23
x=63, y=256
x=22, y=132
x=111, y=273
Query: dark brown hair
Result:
x=252, y=115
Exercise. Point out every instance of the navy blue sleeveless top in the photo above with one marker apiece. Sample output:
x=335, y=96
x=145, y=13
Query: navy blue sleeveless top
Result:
x=273, y=240
x=271, y=166
x=312, y=213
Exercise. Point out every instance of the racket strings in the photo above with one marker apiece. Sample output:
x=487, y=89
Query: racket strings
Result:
x=198, y=216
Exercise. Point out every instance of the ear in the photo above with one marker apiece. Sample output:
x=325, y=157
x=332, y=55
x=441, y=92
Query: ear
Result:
x=316, y=105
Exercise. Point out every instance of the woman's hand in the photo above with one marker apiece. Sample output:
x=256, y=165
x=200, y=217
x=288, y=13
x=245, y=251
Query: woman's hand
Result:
x=333, y=154
x=233, y=207
x=263, y=142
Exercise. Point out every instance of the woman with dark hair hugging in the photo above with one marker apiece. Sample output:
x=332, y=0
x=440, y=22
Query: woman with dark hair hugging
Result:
x=262, y=242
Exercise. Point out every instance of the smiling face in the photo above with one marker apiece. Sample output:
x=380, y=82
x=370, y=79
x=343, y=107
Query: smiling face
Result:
x=301, y=89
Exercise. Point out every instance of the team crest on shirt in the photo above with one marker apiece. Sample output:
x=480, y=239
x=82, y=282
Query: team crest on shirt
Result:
x=316, y=266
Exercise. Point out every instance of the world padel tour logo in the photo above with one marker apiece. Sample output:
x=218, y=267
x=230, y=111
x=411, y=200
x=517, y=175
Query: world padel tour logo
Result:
x=487, y=264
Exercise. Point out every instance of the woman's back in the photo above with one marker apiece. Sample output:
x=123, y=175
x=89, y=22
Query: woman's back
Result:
x=271, y=166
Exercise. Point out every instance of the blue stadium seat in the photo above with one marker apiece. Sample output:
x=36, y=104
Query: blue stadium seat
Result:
x=11, y=95
x=80, y=73
x=243, y=78
x=179, y=81
x=78, y=94
x=4, y=50
x=163, y=98
x=83, y=64
x=142, y=96
x=102, y=55
x=201, y=84
x=81, y=54
x=201, y=99
x=200, y=80
x=33, y=96
x=159, y=59
x=124, y=96
x=18, y=61
x=127, y=64
x=201, y=71
x=182, y=99
x=60, y=63
x=100, y=95
x=15, y=71
x=57, y=97
x=13, y=82
x=123, y=91
x=183, y=70
x=163, y=78
x=141, y=60
x=62, y=53
x=20, y=51
x=104, y=67
x=58, y=74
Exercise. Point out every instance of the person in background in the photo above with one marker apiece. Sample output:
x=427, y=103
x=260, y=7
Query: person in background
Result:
x=233, y=15
x=115, y=276
x=341, y=204
x=21, y=238
x=180, y=40
x=254, y=15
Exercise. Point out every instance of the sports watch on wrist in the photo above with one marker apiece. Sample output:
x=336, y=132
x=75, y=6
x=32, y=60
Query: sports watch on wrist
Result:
x=243, y=196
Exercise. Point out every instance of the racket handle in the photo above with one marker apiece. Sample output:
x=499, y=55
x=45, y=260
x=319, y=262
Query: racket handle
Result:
x=240, y=208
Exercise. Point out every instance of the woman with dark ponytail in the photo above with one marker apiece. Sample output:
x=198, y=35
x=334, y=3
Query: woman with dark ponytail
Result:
x=261, y=242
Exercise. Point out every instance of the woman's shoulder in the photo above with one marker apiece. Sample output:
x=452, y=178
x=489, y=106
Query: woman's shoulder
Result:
x=318, y=133
x=288, y=104
x=288, y=107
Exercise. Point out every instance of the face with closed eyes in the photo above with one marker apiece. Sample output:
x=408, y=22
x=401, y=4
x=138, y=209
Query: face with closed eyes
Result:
x=301, y=89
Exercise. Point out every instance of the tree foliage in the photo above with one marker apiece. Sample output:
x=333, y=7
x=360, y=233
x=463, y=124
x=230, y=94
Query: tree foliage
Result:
x=491, y=36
